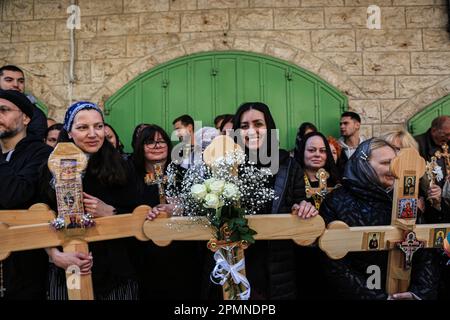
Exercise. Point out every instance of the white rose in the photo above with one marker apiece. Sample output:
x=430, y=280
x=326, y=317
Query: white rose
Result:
x=212, y=201
x=231, y=191
x=198, y=191
x=208, y=183
x=217, y=186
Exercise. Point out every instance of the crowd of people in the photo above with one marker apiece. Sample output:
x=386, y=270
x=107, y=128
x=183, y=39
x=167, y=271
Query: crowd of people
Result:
x=359, y=192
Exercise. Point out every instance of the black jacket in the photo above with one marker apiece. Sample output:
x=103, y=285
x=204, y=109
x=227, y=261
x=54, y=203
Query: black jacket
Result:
x=427, y=149
x=359, y=204
x=160, y=274
x=270, y=265
x=25, y=272
x=38, y=124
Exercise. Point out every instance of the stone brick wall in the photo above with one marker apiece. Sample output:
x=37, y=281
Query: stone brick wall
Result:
x=389, y=74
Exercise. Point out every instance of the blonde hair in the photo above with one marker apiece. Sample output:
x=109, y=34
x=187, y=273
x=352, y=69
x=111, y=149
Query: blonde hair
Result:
x=377, y=143
x=405, y=138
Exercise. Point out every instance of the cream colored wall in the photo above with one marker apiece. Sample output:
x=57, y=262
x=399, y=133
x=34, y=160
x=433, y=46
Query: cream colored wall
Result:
x=389, y=74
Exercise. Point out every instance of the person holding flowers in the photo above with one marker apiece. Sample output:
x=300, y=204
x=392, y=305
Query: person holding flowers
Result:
x=270, y=265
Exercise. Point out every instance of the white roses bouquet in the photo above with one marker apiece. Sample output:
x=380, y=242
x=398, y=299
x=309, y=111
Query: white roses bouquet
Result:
x=215, y=193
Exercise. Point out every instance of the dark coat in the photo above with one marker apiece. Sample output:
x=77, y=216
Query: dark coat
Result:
x=38, y=124
x=160, y=274
x=427, y=149
x=359, y=204
x=270, y=265
x=25, y=272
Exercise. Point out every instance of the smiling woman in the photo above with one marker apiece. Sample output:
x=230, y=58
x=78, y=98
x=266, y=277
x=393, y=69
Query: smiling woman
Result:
x=108, y=190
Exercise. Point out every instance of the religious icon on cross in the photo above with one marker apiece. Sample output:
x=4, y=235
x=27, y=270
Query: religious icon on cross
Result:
x=157, y=177
x=409, y=246
x=407, y=208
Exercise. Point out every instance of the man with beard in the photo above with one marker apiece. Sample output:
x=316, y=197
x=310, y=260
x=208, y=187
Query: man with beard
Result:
x=23, y=274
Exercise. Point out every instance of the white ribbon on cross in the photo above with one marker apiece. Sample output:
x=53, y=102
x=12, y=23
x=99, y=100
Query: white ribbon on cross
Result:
x=223, y=269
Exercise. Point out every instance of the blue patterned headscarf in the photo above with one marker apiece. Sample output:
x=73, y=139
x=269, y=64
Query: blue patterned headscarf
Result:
x=75, y=108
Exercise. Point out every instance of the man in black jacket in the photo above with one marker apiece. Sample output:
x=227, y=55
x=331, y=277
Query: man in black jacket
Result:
x=12, y=78
x=430, y=142
x=24, y=273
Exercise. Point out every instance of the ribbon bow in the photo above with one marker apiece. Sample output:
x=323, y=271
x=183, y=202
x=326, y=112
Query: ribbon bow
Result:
x=223, y=269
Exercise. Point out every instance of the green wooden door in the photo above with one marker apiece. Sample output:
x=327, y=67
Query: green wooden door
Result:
x=208, y=84
x=421, y=122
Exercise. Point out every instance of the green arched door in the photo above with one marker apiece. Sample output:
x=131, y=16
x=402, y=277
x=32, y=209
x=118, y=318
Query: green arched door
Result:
x=208, y=84
x=421, y=122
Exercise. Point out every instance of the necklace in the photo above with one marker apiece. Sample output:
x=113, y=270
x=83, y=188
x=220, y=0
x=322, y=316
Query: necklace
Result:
x=316, y=197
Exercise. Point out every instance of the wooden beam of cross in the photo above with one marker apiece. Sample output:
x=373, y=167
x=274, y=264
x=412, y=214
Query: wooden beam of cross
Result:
x=402, y=238
x=37, y=213
x=43, y=235
x=163, y=231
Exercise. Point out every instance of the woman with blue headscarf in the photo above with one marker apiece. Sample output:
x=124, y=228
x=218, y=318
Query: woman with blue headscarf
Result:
x=108, y=190
x=365, y=199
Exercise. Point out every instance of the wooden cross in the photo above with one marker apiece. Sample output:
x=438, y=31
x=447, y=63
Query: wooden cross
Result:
x=444, y=154
x=401, y=237
x=162, y=231
x=33, y=229
x=43, y=235
x=322, y=176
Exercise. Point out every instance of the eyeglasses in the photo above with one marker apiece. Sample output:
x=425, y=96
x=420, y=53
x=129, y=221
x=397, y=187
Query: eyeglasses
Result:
x=152, y=143
x=4, y=110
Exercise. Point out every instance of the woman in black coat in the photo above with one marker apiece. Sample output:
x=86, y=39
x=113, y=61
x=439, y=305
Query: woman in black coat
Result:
x=270, y=265
x=313, y=152
x=365, y=199
x=107, y=191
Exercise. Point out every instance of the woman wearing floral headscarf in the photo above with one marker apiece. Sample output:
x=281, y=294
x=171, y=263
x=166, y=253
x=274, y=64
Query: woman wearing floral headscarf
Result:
x=365, y=199
x=108, y=190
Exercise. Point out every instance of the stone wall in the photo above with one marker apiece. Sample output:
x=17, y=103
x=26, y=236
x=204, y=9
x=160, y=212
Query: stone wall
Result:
x=389, y=74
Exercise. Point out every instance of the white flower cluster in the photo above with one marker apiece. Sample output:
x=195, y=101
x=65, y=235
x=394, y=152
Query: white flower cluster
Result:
x=229, y=182
x=215, y=193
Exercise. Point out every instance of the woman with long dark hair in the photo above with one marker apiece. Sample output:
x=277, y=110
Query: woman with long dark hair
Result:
x=152, y=155
x=107, y=190
x=314, y=153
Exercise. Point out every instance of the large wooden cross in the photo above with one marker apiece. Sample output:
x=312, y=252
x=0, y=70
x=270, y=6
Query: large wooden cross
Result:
x=23, y=236
x=30, y=229
x=402, y=237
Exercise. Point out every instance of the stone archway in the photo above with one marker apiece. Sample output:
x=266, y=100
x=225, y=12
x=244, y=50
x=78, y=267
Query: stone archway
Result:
x=418, y=103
